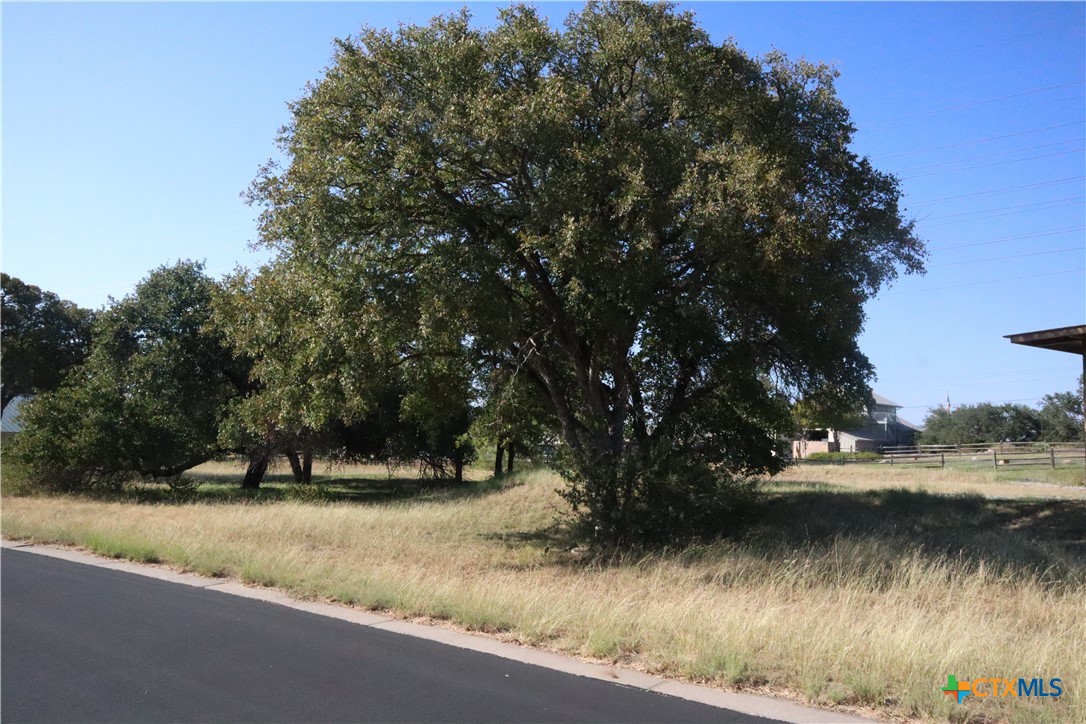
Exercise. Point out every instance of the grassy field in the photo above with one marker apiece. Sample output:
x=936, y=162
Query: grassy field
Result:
x=851, y=586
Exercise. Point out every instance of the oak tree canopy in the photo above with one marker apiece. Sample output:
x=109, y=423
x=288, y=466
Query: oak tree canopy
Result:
x=669, y=240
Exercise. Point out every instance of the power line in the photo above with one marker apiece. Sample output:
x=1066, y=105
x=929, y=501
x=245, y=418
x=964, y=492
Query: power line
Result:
x=1015, y=256
x=1004, y=208
x=962, y=48
x=990, y=281
x=947, y=109
x=997, y=163
x=1001, y=239
x=979, y=140
x=1051, y=205
x=993, y=155
x=942, y=405
x=943, y=379
x=1038, y=185
x=986, y=382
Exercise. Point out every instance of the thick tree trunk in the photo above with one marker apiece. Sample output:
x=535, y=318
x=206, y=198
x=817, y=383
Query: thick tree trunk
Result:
x=301, y=465
x=498, y=460
x=307, y=465
x=512, y=452
x=295, y=466
x=459, y=463
x=254, y=474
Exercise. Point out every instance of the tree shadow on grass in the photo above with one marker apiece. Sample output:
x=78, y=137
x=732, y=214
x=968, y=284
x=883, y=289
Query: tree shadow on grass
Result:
x=1045, y=538
x=554, y=537
x=363, y=491
x=1039, y=539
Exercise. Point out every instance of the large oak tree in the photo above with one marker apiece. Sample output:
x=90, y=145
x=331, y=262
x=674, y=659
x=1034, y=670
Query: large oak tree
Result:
x=670, y=240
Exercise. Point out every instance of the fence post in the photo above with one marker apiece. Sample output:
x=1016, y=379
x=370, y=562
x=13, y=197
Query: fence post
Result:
x=942, y=460
x=1052, y=452
x=995, y=459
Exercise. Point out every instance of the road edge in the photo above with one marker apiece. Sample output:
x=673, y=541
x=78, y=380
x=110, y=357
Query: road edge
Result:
x=752, y=704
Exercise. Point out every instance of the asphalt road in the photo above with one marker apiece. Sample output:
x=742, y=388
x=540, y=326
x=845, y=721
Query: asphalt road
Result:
x=85, y=644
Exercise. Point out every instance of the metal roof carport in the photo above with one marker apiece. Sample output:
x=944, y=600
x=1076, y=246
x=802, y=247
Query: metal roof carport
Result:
x=1063, y=339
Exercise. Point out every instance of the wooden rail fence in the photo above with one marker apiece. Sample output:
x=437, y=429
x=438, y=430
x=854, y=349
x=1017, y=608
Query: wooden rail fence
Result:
x=1000, y=453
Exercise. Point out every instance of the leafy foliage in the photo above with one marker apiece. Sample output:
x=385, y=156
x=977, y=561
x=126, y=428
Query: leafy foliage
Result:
x=1061, y=416
x=43, y=336
x=327, y=375
x=840, y=409
x=149, y=398
x=981, y=423
x=669, y=240
x=513, y=418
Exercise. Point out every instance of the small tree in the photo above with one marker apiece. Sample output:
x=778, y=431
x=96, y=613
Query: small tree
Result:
x=1061, y=416
x=150, y=397
x=41, y=338
x=981, y=423
x=512, y=418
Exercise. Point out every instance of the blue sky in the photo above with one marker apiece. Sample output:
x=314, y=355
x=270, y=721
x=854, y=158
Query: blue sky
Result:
x=130, y=130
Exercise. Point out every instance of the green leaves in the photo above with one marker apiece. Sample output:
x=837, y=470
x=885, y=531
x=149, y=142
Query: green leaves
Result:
x=149, y=398
x=981, y=423
x=1061, y=416
x=43, y=336
x=667, y=239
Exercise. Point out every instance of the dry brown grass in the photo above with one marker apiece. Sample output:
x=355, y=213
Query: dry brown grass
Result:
x=865, y=597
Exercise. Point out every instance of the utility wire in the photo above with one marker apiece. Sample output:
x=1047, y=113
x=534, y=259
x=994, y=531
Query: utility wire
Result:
x=1001, y=239
x=963, y=48
x=942, y=405
x=1040, y=184
x=993, y=155
x=990, y=281
x=979, y=140
x=1006, y=213
x=997, y=163
x=1015, y=256
x=939, y=379
x=1004, y=208
x=987, y=382
x=985, y=101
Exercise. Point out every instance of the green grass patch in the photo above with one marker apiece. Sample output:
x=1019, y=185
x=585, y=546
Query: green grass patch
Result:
x=841, y=457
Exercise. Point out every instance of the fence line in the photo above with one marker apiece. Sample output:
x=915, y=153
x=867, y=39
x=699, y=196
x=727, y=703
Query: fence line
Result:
x=997, y=454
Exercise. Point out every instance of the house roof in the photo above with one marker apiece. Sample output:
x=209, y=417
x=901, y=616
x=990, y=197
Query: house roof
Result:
x=911, y=425
x=8, y=422
x=880, y=400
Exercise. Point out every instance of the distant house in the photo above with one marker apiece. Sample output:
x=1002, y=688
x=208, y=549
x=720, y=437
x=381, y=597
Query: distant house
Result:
x=9, y=424
x=881, y=427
